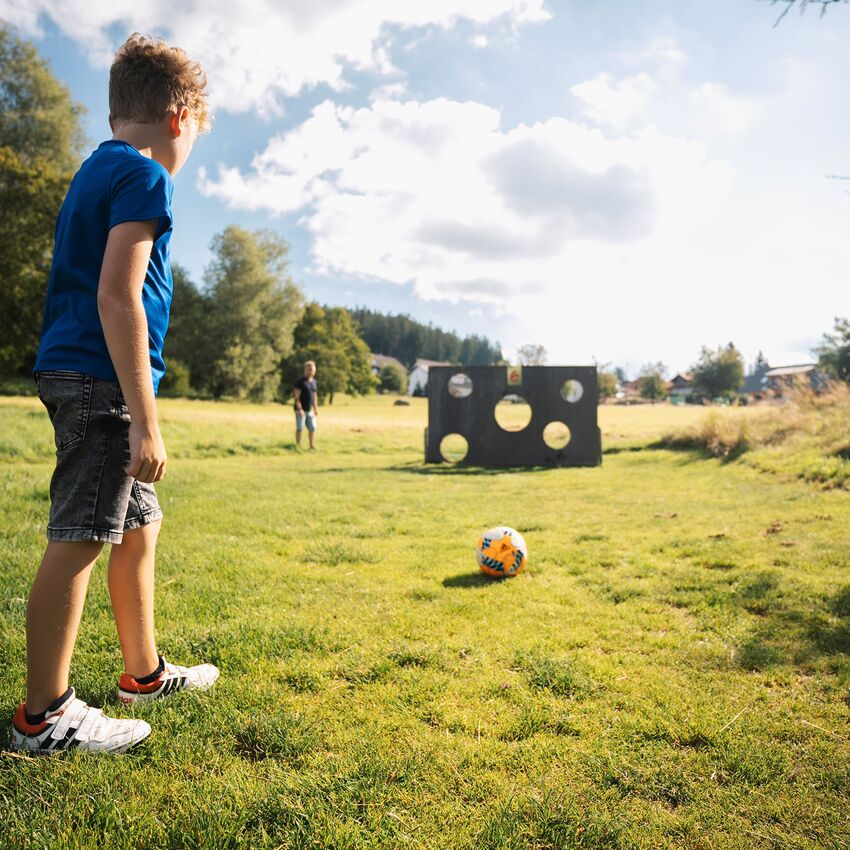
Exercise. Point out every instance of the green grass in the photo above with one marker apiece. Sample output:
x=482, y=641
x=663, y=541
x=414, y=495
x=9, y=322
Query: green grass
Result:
x=670, y=671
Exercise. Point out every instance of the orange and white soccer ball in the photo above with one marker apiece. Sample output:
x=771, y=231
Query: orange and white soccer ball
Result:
x=501, y=552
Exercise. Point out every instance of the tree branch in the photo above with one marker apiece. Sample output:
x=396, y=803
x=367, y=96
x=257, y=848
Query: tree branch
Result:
x=802, y=4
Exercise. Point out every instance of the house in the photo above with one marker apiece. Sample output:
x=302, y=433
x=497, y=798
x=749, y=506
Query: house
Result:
x=381, y=360
x=417, y=383
x=629, y=392
x=680, y=387
x=788, y=377
x=755, y=384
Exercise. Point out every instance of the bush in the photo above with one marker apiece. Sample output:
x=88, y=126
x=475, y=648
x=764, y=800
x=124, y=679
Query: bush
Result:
x=176, y=381
x=393, y=379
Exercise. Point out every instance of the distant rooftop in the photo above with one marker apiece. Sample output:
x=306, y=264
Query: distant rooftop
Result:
x=784, y=371
x=428, y=363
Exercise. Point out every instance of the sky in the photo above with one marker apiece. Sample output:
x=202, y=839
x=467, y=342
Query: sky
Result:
x=620, y=182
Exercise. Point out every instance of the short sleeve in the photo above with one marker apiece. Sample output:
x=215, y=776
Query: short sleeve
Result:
x=142, y=192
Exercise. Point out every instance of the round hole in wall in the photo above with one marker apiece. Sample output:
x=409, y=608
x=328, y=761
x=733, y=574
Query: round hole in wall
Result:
x=556, y=435
x=571, y=390
x=513, y=412
x=460, y=385
x=453, y=448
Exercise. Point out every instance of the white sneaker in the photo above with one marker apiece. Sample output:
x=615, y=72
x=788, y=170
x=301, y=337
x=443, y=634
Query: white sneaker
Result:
x=201, y=677
x=75, y=725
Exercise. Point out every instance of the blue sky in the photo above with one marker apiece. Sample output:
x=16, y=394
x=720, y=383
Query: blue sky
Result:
x=614, y=180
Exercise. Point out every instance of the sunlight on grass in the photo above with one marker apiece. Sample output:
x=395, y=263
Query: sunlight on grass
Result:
x=670, y=670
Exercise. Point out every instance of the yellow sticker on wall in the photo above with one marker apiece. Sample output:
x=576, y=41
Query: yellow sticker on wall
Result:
x=514, y=376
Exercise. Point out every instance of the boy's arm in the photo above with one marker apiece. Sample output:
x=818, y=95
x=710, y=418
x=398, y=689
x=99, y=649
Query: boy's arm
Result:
x=125, y=327
x=315, y=396
x=296, y=394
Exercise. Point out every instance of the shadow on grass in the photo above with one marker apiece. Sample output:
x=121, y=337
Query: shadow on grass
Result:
x=476, y=579
x=789, y=635
x=693, y=448
x=460, y=469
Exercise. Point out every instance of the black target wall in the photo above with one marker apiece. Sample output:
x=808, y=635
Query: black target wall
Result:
x=474, y=416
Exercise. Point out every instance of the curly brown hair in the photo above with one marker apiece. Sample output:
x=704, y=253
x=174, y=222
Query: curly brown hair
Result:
x=148, y=79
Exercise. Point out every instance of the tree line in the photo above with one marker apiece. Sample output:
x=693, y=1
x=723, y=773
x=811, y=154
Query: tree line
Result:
x=406, y=339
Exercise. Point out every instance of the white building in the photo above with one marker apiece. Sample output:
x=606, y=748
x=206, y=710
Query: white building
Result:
x=417, y=382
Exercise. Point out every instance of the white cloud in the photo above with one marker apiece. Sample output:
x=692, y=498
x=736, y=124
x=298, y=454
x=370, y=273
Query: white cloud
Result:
x=666, y=50
x=438, y=194
x=258, y=51
x=720, y=112
x=480, y=41
x=612, y=102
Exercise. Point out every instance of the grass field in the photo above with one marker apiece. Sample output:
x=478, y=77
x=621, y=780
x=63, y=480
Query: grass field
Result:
x=671, y=670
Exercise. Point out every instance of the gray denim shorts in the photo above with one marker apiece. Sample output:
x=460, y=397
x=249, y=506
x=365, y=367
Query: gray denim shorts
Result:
x=91, y=498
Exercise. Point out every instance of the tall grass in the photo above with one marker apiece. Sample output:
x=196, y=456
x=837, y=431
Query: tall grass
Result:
x=807, y=435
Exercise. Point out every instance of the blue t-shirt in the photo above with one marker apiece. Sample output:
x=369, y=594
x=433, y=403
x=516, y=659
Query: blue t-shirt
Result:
x=115, y=184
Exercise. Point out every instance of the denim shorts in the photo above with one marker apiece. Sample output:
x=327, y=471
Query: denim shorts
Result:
x=305, y=418
x=91, y=497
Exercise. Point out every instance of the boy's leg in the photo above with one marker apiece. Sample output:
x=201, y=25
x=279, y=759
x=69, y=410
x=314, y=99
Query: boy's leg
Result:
x=131, y=588
x=299, y=427
x=311, y=432
x=53, y=618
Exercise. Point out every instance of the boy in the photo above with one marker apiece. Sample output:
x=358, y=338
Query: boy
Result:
x=306, y=393
x=98, y=368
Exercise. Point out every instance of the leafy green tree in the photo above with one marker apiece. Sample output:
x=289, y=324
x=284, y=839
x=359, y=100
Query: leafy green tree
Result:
x=188, y=341
x=175, y=383
x=328, y=335
x=833, y=353
x=651, y=384
x=393, y=379
x=41, y=139
x=719, y=373
x=251, y=308
x=607, y=384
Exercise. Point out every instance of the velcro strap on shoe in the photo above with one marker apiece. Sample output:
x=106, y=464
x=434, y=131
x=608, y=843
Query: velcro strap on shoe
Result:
x=74, y=713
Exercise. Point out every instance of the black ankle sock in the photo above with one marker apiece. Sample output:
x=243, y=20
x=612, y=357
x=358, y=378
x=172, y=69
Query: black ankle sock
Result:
x=146, y=680
x=35, y=719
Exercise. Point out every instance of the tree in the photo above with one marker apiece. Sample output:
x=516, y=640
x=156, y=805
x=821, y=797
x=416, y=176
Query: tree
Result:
x=531, y=355
x=760, y=364
x=251, y=309
x=651, y=384
x=328, y=336
x=188, y=340
x=607, y=384
x=407, y=340
x=833, y=353
x=606, y=379
x=719, y=373
x=393, y=379
x=41, y=139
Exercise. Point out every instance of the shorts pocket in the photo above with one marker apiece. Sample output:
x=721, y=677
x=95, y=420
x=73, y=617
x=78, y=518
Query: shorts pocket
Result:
x=67, y=397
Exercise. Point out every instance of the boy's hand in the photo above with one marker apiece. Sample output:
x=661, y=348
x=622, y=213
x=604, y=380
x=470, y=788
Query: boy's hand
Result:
x=147, y=454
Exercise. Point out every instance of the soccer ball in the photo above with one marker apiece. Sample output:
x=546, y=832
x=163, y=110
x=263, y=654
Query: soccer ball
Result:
x=501, y=552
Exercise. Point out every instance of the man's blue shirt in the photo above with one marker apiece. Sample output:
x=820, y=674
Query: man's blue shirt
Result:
x=115, y=184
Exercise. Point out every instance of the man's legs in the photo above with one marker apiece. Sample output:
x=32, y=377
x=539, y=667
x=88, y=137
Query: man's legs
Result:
x=311, y=430
x=131, y=588
x=53, y=618
x=299, y=427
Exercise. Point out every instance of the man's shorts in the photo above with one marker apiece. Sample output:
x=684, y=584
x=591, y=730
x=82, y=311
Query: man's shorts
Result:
x=302, y=419
x=91, y=498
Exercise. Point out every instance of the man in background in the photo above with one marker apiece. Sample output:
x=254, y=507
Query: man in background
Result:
x=306, y=404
